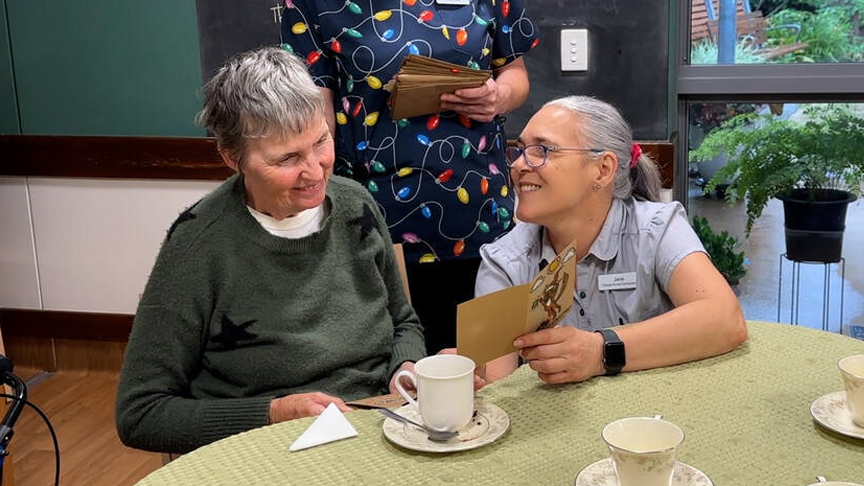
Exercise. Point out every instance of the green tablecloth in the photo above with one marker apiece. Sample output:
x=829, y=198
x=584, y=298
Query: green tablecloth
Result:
x=746, y=416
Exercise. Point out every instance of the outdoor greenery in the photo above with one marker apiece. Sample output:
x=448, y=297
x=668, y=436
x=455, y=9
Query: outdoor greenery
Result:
x=721, y=248
x=770, y=157
x=705, y=52
x=710, y=116
x=829, y=34
x=832, y=29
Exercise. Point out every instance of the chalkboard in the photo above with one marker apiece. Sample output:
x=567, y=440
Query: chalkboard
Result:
x=628, y=59
x=627, y=66
x=105, y=67
x=226, y=27
x=8, y=104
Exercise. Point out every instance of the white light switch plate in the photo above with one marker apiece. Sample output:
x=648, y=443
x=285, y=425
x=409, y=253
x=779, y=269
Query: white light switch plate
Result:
x=574, y=49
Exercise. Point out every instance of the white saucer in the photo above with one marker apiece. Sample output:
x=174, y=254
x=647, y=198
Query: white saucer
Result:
x=489, y=423
x=831, y=412
x=602, y=473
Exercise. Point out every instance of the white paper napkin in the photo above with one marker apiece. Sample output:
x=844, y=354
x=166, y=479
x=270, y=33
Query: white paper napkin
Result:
x=331, y=425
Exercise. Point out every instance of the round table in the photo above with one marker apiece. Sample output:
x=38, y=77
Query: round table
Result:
x=746, y=416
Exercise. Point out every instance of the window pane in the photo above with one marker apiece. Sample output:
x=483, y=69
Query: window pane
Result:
x=778, y=31
x=778, y=142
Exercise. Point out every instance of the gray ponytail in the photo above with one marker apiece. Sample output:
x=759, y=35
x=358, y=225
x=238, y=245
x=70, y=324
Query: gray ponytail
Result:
x=604, y=127
x=645, y=179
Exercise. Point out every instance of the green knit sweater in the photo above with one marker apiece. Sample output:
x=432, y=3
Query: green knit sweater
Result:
x=233, y=316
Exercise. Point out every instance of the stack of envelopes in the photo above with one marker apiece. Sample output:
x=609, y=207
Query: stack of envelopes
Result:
x=417, y=88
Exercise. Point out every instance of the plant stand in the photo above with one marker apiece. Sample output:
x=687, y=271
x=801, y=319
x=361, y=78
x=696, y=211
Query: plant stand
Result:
x=826, y=289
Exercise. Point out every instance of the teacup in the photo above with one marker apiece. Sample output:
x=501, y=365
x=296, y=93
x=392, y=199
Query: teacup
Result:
x=852, y=371
x=644, y=450
x=445, y=390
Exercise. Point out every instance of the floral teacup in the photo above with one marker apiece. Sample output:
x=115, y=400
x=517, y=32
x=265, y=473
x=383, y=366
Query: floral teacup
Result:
x=852, y=370
x=644, y=450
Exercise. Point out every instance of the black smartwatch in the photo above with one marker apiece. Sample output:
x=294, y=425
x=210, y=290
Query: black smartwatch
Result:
x=613, y=352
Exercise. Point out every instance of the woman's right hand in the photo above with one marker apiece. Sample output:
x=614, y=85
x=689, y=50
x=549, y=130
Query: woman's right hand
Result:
x=299, y=405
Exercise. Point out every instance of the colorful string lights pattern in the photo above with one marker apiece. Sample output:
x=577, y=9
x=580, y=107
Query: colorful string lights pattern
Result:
x=439, y=180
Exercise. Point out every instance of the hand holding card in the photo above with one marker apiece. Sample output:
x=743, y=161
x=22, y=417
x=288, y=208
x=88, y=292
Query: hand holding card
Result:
x=487, y=326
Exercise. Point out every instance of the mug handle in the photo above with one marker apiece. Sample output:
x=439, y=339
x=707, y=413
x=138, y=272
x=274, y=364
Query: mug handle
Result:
x=405, y=395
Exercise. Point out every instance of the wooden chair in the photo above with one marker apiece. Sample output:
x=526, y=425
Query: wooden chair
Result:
x=701, y=12
x=663, y=153
x=400, y=259
x=168, y=457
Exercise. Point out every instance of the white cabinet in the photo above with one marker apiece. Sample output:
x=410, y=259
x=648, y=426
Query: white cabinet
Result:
x=95, y=239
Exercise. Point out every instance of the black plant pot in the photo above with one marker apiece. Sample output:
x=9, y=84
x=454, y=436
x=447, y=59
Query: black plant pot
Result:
x=815, y=222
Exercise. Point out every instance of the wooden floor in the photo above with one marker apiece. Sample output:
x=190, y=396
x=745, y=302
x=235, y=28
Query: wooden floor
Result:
x=81, y=409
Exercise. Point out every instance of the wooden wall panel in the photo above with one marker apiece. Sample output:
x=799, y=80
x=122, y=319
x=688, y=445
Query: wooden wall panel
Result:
x=71, y=341
x=89, y=356
x=29, y=352
x=112, y=157
x=92, y=326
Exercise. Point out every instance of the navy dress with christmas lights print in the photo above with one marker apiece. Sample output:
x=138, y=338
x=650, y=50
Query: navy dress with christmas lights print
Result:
x=440, y=180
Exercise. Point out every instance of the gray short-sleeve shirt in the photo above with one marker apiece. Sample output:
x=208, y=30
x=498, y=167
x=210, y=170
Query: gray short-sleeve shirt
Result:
x=640, y=240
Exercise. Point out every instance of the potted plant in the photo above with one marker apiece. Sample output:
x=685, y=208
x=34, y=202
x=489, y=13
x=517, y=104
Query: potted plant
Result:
x=816, y=167
x=722, y=250
x=705, y=118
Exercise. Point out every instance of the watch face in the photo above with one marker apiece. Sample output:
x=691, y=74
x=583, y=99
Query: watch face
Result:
x=613, y=355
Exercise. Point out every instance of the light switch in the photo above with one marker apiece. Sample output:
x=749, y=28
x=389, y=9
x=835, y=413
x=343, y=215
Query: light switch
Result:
x=574, y=49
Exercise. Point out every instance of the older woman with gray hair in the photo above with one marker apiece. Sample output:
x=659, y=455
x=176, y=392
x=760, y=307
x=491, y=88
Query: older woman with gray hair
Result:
x=275, y=295
x=647, y=295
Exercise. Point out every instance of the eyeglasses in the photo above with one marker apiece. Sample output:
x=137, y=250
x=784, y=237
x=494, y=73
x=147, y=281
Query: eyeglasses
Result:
x=535, y=155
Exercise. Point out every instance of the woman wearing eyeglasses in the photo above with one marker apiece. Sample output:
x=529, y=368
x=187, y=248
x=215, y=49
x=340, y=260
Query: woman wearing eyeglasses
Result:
x=646, y=294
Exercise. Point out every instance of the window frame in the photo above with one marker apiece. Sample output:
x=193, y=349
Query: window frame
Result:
x=736, y=83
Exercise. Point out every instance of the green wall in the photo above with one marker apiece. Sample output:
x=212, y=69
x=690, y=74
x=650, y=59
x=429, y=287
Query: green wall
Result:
x=8, y=104
x=105, y=67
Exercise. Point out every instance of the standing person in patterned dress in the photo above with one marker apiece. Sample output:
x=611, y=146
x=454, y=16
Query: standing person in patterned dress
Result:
x=440, y=180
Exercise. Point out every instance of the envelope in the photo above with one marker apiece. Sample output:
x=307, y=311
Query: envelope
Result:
x=417, y=87
x=391, y=400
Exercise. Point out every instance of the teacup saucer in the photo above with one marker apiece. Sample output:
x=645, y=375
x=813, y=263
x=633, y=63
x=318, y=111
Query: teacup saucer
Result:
x=831, y=412
x=489, y=423
x=602, y=473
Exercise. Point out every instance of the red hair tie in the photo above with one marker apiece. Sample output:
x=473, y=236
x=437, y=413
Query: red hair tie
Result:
x=635, y=153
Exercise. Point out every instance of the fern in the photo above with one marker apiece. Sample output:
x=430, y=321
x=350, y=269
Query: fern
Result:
x=769, y=157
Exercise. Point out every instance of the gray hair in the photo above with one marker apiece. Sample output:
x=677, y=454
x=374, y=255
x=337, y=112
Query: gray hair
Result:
x=256, y=94
x=603, y=127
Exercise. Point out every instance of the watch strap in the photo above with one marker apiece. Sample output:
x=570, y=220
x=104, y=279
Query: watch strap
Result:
x=613, y=352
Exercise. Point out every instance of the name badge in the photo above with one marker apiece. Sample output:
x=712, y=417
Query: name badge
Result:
x=617, y=281
x=453, y=2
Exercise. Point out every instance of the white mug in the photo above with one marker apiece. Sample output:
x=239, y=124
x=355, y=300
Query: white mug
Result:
x=852, y=370
x=643, y=450
x=445, y=390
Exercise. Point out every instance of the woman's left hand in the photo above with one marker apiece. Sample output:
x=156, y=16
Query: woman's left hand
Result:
x=562, y=354
x=409, y=366
x=480, y=103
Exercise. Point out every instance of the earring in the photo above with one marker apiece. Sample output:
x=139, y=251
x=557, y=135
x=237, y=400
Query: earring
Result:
x=597, y=186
